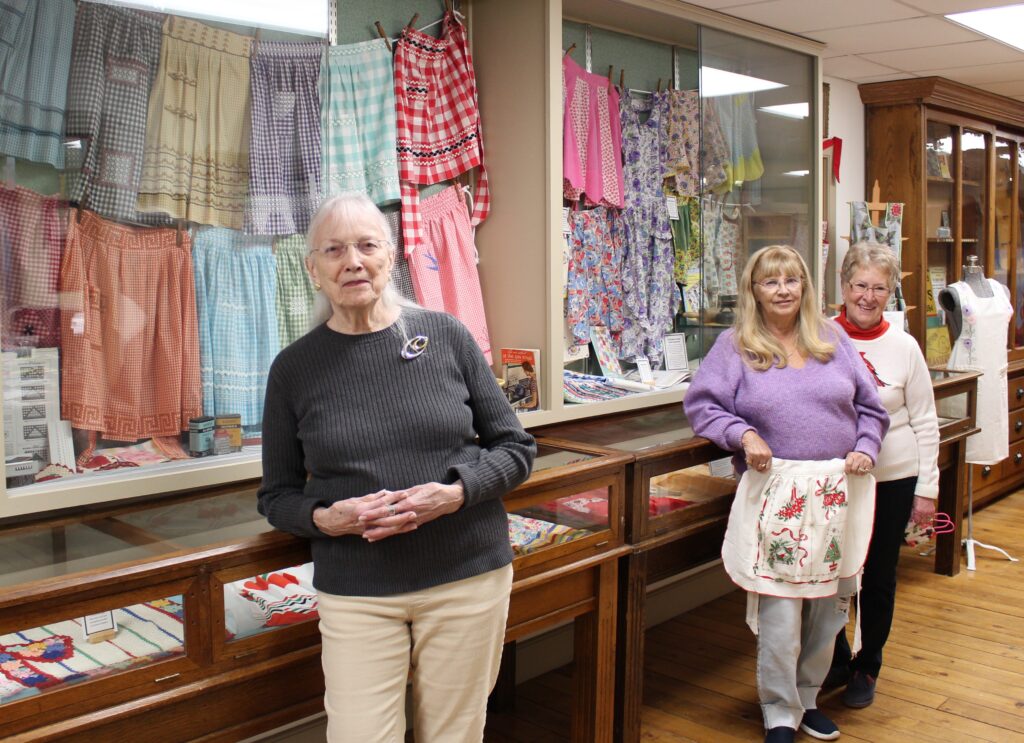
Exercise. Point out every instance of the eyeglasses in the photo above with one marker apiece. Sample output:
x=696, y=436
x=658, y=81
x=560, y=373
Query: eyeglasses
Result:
x=877, y=291
x=335, y=251
x=792, y=283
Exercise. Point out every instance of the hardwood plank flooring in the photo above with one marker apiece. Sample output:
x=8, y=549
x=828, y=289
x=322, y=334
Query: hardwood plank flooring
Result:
x=954, y=663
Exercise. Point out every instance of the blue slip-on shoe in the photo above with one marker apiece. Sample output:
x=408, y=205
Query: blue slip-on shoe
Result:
x=816, y=725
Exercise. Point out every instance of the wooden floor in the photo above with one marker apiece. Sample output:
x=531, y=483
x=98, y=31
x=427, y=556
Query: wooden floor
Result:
x=954, y=663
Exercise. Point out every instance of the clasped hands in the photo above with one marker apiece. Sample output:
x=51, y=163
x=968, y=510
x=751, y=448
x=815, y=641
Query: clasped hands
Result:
x=758, y=456
x=386, y=513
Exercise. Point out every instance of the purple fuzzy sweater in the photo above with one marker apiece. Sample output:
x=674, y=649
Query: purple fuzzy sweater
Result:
x=822, y=411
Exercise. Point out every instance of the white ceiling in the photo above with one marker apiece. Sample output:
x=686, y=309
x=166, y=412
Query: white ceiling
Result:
x=874, y=40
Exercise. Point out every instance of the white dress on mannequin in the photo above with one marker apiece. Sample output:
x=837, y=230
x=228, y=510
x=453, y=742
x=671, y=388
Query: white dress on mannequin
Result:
x=981, y=346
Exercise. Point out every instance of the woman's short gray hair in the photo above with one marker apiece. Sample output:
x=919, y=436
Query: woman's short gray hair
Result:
x=343, y=208
x=868, y=254
x=346, y=207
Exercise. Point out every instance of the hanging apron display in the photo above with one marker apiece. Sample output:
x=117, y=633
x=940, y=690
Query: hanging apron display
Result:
x=438, y=120
x=889, y=233
x=798, y=528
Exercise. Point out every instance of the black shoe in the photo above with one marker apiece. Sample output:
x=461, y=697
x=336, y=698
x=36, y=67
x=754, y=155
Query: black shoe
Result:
x=860, y=692
x=837, y=676
x=780, y=735
x=816, y=725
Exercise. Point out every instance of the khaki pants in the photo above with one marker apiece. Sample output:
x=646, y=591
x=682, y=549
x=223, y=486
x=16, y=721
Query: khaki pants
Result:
x=450, y=635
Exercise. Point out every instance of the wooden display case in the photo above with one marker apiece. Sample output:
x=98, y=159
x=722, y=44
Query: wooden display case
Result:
x=669, y=464
x=954, y=155
x=176, y=572
x=956, y=398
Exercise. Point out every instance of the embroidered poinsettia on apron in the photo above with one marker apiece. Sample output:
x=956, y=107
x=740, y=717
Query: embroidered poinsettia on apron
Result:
x=799, y=528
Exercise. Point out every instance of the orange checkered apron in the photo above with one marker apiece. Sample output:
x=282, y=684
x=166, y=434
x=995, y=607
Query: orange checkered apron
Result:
x=129, y=338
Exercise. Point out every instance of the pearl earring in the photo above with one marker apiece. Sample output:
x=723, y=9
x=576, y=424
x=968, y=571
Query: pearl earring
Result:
x=316, y=285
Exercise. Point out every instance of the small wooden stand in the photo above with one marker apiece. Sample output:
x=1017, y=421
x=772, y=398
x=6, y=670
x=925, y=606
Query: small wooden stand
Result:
x=99, y=627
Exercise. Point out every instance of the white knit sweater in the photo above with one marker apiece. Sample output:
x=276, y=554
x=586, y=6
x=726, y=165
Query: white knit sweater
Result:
x=912, y=445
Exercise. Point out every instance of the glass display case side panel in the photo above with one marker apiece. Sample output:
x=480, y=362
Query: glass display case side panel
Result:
x=940, y=222
x=1017, y=262
x=110, y=380
x=760, y=167
x=975, y=149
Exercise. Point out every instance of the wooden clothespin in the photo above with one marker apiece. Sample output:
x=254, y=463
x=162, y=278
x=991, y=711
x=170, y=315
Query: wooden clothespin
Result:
x=380, y=30
x=611, y=70
x=658, y=89
x=448, y=6
x=412, y=22
x=569, y=50
x=78, y=215
x=622, y=79
x=179, y=231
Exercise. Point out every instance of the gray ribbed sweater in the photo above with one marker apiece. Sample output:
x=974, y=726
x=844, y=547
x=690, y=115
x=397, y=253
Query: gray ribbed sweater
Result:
x=355, y=415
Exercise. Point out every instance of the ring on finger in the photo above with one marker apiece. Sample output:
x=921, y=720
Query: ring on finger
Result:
x=391, y=509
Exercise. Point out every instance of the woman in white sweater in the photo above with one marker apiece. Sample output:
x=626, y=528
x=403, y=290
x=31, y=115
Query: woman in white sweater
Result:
x=907, y=470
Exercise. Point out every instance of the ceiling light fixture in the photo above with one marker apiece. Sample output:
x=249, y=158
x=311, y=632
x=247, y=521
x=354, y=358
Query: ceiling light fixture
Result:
x=797, y=173
x=1004, y=24
x=715, y=82
x=789, y=110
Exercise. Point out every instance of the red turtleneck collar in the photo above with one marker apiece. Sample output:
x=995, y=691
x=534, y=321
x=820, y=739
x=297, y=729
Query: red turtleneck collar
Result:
x=859, y=334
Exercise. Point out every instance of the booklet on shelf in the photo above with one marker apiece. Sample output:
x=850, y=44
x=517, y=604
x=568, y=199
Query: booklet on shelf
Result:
x=521, y=369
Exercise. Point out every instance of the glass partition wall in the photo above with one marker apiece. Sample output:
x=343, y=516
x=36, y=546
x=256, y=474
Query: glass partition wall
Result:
x=719, y=159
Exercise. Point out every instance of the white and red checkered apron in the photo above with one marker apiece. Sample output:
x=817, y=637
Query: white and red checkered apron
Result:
x=32, y=233
x=439, y=135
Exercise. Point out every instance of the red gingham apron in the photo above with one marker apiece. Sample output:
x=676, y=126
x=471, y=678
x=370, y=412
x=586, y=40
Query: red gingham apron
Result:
x=439, y=134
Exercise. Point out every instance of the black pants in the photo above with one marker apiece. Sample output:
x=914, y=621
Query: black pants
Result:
x=894, y=501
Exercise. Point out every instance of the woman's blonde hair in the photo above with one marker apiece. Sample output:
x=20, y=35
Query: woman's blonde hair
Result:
x=760, y=349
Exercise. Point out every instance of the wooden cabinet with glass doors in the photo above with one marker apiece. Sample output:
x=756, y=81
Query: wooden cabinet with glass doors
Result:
x=954, y=155
x=213, y=611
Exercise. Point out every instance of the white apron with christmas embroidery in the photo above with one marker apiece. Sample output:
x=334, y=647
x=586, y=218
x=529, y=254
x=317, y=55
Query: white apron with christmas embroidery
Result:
x=798, y=528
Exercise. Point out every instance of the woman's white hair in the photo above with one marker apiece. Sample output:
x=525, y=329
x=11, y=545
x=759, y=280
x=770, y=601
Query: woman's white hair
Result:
x=345, y=208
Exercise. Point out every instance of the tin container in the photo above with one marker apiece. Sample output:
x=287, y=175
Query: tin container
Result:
x=200, y=436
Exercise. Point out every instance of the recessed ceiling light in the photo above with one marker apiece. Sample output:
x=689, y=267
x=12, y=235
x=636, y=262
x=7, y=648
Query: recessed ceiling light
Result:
x=715, y=82
x=789, y=110
x=1004, y=24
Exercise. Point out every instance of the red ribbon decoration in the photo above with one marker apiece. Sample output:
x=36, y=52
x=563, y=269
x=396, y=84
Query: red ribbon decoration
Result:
x=837, y=154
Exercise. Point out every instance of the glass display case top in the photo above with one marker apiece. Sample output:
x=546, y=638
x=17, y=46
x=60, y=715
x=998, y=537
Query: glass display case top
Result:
x=645, y=429
x=38, y=552
x=549, y=457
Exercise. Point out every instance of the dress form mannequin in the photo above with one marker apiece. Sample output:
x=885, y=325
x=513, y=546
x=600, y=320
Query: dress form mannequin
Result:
x=974, y=277
x=959, y=300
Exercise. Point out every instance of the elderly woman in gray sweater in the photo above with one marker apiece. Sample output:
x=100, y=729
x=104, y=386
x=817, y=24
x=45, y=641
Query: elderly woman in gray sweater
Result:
x=388, y=444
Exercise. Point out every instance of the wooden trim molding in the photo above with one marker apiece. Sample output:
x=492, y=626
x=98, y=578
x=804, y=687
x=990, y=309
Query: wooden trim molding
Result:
x=938, y=92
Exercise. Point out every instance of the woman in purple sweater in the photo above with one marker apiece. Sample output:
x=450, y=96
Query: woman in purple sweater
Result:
x=785, y=384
